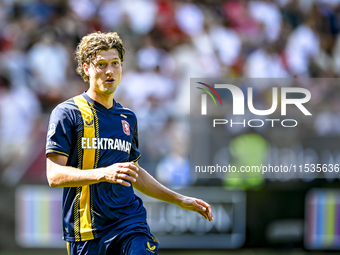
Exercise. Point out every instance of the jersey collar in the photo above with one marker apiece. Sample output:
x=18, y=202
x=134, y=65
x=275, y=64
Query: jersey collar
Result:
x=98, y=105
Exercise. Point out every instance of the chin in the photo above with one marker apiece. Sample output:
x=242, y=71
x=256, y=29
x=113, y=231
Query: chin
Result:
x=110, y=90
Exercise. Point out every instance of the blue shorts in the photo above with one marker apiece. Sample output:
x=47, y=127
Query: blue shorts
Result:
x=137, y=242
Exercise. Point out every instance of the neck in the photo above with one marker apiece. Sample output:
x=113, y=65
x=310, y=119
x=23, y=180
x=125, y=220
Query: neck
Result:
x=105, y=100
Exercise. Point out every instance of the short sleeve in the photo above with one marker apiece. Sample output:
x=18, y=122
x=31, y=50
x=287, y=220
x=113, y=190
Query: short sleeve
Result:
x=135, y=153
x=59, y=135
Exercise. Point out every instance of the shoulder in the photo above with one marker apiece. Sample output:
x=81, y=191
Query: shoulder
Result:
x=70, y=104
x=66, y=109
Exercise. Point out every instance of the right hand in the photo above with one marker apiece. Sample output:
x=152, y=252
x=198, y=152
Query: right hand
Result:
x=120, y=172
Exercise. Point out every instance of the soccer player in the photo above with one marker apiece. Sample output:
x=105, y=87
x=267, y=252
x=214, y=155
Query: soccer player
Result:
x=92, y=152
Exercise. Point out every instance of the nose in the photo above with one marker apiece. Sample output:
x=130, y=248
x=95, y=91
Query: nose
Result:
x=109, y=70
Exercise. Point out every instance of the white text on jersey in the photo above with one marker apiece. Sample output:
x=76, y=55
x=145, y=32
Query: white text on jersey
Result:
x=105, y=144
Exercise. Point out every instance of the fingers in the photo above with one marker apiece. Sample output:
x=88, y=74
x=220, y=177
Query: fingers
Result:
x=122, y=182
x=203, y=215
x=128, y=165
x=127, y=171
x=126, y=177
x=198, y=205
x=122, y=173
x=205, y=209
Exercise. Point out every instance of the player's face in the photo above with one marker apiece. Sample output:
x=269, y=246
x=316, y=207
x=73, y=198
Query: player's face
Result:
x=104, y=72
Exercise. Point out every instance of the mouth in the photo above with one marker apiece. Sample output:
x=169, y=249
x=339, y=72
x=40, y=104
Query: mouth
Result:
x=110, y=80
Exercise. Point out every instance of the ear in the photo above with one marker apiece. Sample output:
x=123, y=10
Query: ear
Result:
x=86, y=69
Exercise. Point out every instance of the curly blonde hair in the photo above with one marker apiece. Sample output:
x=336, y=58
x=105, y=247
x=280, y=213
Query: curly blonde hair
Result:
x=91, y=44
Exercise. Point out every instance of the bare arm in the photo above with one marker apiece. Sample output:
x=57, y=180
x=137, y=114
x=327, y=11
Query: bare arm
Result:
x=60, y=175
x=149, y=186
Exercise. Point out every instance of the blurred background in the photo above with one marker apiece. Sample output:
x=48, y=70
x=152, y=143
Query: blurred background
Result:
x=169, y=42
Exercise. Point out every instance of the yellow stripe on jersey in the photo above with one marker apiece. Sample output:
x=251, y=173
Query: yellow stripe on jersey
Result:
x=76, y=215
x=68, y=248
x=135, y=160
x=88, y=162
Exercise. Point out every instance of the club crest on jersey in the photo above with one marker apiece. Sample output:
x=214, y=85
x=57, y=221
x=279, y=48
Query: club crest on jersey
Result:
x=126, y=127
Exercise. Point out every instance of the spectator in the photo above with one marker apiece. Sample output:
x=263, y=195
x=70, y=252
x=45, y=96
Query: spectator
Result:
x=268, y=13
x=49, y=61
x=19, y=111
x=190, y=18
x=302, y=46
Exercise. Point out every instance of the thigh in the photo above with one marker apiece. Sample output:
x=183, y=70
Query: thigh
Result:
x=139, y=244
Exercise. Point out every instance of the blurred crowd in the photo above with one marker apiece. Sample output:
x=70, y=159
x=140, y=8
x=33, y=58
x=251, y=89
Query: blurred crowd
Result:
x=168, y=42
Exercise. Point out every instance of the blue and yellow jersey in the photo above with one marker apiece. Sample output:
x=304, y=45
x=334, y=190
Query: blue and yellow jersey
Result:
x=92, y=136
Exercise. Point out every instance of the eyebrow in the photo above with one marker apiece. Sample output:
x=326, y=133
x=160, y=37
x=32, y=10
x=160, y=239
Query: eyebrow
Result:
x=103, y=59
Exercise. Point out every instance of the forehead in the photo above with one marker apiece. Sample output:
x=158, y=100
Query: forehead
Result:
x=107, y=55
